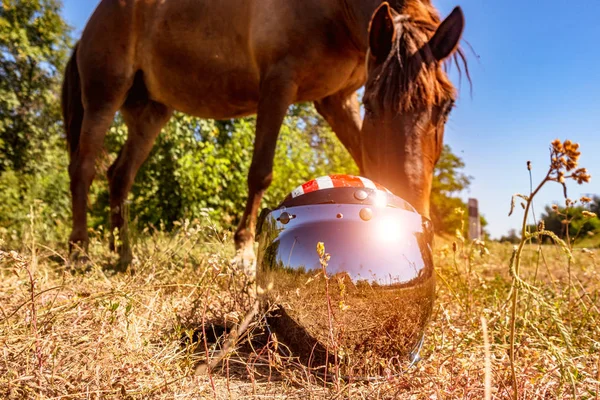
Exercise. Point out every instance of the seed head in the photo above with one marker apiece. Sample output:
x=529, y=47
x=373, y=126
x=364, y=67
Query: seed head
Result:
x=557, y=146
x=565, y=157
x=571, y=164
x=588, y=214
x=581, y=175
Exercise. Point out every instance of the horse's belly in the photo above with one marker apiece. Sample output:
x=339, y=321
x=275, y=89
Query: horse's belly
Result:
x=203, y=84
x=193, y=61
x=206, y=95
x=196, y=60
x=322, y=82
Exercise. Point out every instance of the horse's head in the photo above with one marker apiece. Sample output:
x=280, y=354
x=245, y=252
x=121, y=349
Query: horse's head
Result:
x=408, y=97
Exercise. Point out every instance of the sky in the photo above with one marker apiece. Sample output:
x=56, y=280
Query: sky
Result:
x=535, y=70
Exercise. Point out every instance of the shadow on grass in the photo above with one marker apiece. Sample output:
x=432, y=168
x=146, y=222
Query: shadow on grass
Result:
x=265, y=353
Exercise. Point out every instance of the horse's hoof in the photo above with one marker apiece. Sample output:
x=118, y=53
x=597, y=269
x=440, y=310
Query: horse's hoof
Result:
x=122, y=265
x=125, y=261
x=125, y=257
x=78, y=261
x=245, y=261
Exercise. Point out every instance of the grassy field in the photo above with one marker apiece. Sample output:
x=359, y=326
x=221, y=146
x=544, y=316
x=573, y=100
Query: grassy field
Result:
x=590, y=242
x=100, y=335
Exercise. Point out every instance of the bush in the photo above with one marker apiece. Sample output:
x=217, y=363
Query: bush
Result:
x=199, y=167
x=45, y=192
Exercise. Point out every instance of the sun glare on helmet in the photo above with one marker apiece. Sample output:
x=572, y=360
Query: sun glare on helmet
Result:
x=380, y=199
x=389, y=229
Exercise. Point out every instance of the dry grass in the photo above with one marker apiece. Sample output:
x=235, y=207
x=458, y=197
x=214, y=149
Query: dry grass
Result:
x=100, y=335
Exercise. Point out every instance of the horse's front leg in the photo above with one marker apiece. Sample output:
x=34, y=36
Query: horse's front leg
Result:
x=277, y=93
x=342, y=112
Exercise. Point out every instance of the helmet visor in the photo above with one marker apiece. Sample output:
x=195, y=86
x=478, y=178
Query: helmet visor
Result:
x=374, y=286
x=383, y=246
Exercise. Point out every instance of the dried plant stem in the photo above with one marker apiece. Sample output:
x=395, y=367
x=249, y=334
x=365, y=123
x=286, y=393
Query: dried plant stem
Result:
x=31, y=273
x=569, y=245
x=515, y=288
x=598, y=380
x=205, y=341
x=231, y=340
x=488, y=360
x=330, y=318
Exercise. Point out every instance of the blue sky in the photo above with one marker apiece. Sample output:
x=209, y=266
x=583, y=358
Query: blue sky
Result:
x=536, y=77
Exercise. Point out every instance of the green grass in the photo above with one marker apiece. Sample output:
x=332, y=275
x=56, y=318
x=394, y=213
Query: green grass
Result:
x=590, y=242
x=95, y=334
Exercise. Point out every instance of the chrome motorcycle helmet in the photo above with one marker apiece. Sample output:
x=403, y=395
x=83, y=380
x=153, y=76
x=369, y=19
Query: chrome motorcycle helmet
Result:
x=345, y=272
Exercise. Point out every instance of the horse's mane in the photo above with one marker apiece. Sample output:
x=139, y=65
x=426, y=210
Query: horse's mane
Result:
x=408, y=78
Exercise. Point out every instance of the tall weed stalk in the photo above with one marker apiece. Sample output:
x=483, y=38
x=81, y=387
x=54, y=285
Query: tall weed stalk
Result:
x=564, y=157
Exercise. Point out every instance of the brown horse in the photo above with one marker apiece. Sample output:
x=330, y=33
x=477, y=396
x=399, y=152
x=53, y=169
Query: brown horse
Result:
x=232, y=58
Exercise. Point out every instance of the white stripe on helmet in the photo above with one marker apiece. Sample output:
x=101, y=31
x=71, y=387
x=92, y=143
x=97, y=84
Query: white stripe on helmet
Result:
x=368, y=183
x=299, y=191
x=324, y=182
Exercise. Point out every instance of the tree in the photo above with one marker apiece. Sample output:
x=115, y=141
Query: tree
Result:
x=512, y=237
x=595, y=205
x=580, y=223
x=448, y=181
x=34, y=40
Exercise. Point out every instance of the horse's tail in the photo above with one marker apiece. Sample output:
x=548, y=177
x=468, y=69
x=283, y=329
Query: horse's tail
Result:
x=72, y=105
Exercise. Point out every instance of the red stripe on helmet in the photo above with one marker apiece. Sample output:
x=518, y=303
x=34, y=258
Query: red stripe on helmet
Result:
x=346, y=181
x=310, y=186
x=338, y=181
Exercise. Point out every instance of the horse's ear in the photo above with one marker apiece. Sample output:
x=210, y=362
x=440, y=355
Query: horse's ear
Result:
x=445, y=40
x=381, y=32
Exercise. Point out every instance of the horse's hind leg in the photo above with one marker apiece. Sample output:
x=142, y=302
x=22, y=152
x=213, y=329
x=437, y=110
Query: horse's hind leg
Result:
x=95, y=124
x=144, y=120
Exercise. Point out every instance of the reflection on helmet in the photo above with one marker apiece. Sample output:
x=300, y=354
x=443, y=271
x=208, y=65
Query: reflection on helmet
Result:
x=368, y=304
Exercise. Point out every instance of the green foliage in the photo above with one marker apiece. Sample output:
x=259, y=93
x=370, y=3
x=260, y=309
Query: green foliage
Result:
x=33, y=45
x=448, y=181
x=583, y=229
x=512, y=237
x=579, y=225
x=44, y=192
x=595, y=205
x=199, y=168
x=302, y=154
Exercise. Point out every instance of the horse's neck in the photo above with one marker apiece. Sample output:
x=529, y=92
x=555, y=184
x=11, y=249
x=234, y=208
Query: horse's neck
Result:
x=358, y=15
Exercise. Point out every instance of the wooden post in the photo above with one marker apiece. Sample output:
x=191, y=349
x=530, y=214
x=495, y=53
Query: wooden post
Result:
x=474, y=222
